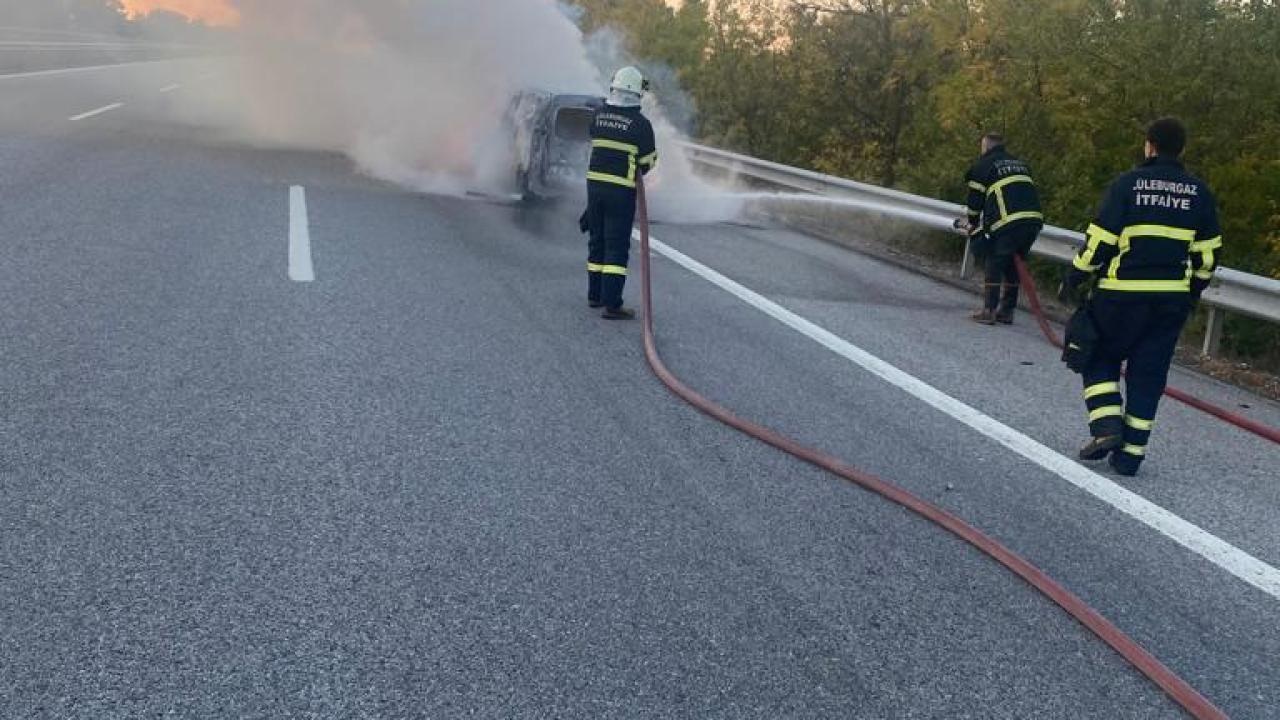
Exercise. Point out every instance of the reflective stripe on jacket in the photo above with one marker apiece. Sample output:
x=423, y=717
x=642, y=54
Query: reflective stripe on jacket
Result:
x=622, y=143
x=1156, y=232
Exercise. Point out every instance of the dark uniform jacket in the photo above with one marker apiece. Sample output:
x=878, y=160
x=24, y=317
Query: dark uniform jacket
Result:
x=622, y=142
x=1002, y=195
x=1156, y=232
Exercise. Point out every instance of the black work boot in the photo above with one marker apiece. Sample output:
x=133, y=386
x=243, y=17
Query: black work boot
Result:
x=1125, y=464
x=618, y=313
x=594, y=303
x=1100, y=447
x=984, y=317
x=1005, y=317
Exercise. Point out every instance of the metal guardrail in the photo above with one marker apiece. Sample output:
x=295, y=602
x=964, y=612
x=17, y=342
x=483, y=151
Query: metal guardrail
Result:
x=1232, y=291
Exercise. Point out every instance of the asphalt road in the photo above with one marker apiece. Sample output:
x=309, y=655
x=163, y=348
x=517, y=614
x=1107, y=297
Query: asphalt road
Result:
x=433, y=484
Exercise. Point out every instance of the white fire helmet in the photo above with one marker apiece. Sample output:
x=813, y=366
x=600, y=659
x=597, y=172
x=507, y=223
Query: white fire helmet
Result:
x=631, y=80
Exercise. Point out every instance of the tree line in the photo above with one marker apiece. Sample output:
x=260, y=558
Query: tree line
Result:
x=897, y=92
x=72, y=19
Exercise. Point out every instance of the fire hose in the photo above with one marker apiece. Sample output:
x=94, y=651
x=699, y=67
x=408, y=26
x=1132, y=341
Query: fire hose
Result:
x=1177, y=689
x=1244, y=423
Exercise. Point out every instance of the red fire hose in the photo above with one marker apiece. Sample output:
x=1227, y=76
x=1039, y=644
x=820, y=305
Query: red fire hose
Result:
x=1244, y=423
x=1178, y=689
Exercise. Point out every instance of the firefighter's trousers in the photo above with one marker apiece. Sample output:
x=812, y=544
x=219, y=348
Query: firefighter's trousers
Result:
x=611, y=214
x=1141, y=330
x=1000, y=281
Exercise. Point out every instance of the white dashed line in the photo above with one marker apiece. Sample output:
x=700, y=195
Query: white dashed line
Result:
x=75, y=70
x=300, y=268
x=95, y=113
x=1212, y=548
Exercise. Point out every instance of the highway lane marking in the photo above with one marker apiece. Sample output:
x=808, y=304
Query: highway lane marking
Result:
x=171, y=88
x=300, y=268
x=87, y=68
x=99, y=111
x=1199, y=541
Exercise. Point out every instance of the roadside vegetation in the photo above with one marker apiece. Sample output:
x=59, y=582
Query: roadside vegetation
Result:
x=896, y=92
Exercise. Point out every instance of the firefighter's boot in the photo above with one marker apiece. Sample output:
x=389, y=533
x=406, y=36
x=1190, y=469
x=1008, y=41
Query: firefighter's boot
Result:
x=1100, y=447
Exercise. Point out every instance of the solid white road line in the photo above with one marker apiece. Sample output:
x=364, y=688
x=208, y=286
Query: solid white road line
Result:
x=1214, y=549
x=171, y=88
x=300, y=268
x=74, y=70
x=99, y=111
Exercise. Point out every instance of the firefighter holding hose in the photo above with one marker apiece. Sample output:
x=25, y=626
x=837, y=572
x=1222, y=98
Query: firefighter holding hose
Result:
x=1152, y=251
x=622, y=149
x=1003, y=222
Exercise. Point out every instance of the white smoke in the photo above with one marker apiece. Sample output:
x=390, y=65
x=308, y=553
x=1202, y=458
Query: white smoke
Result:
x=414, y=91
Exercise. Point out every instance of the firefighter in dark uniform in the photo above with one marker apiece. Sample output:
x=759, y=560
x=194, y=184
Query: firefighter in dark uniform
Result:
x=1152, y=251
x=622, y=149
x=1004, y=220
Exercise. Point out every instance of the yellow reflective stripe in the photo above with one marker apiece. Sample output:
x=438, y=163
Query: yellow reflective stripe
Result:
x=1111, y=283
x=1094, y=391
x=1138, y=423
x=613, y=269
x=1161, y=231
x=1103, y=412
x=649, y=159
x=1207, y=245
x=1125, y=246
x=997, y=187
x=973, y=185
x=1026, y=215
x=1136, y=450
x=1097, y=236
x=1083, y=265
x=593, y=267
x=614, y=179
x=615, y=145
x=630, y=150
x=1102, y=235
x=1203, y=274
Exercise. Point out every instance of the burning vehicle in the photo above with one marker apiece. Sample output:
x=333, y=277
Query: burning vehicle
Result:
x=552, y=142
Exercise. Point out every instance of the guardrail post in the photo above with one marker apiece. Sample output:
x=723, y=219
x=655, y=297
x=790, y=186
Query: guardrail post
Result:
x=1213, y=332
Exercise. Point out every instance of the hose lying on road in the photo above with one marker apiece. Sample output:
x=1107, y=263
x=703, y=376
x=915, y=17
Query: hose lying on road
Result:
x=1244, y=423
x=1178, y=689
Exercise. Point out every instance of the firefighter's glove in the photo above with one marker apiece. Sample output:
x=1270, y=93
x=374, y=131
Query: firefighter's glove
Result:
x=583, y=223
x=962, y=225
x=1080, y=341
x=1198, y=287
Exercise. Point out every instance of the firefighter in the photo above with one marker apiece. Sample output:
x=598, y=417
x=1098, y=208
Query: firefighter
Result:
x=1152, y=251
x=1004, y=220
x=622, y=149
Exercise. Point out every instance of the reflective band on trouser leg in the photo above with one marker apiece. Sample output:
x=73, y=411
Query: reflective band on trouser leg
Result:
x=1106, y=407
x=1104, y=388
x=1135, y=450
x=1106, y=412
x=1137, y=433
x=613, y=269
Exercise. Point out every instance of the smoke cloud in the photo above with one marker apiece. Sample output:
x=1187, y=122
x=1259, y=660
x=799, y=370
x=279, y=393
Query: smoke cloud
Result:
x=414, y=91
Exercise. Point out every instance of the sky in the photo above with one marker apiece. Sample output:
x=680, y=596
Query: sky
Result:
x=213, y=12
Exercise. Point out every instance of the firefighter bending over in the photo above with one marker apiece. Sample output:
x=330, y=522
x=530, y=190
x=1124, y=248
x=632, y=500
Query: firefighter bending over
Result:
x=622, y=149
x=1153, y=250
x=1004, y=220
